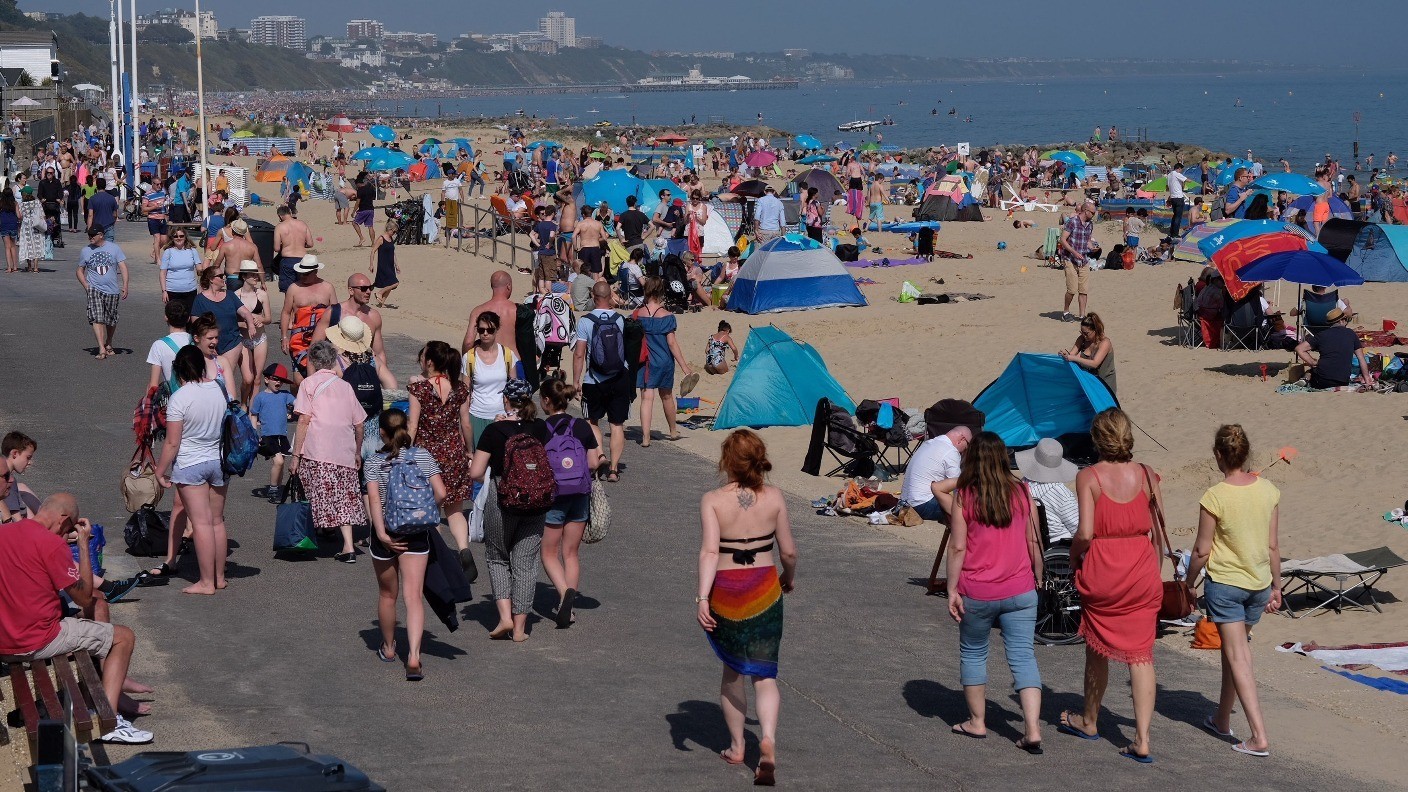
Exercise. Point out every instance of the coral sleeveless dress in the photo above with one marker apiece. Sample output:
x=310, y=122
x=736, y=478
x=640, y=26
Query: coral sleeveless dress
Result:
x=1119, y=581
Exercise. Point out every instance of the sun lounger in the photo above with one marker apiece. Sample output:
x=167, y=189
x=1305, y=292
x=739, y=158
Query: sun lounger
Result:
x=1017, y=202
x=1353, y=576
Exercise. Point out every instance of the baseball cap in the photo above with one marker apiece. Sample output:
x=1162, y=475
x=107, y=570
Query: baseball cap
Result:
x=276, y=371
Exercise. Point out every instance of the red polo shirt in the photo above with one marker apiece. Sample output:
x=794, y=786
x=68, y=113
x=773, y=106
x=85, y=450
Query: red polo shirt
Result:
x=35, y=565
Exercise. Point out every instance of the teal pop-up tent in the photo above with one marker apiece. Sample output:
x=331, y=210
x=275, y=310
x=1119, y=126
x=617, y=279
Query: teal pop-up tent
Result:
x=778, y=382
x=1380, y=253
x=1040, y=396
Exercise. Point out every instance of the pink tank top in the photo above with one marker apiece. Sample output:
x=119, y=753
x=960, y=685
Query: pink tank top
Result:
x=997, y=563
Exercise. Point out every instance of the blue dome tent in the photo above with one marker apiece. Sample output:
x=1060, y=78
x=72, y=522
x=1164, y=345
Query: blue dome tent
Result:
x=792, y=273
x=1041, y=396
x=611, y=186
x=1380, y=253
x=778, y=382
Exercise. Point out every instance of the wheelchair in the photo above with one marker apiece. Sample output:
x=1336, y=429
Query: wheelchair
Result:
x=1058, y=602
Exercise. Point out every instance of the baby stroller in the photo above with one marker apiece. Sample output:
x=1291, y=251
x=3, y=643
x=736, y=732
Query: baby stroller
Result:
x=410, y=217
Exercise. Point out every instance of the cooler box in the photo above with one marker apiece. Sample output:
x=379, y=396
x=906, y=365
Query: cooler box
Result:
x=267, y=768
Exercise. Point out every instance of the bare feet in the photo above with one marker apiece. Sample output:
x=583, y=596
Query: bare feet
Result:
x=766, y=774
x=220, y=584
x=501, y=633
x=130, y=685
x=519, y=637
x=198, y=589
x=733, y=754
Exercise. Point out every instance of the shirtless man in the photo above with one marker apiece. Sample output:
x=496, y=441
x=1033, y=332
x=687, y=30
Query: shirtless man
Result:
x=291, y=242
x=875, y=198
x=235, y=250
x=587, y=241
x=501, y=284
x=305, y=302
x=566, y=223
x=855, y=183
x=358, y=304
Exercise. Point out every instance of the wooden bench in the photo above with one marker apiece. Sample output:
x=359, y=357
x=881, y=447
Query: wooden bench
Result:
x=42, y=688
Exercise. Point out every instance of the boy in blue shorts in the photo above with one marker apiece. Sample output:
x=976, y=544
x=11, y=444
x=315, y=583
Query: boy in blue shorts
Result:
x=270, y=413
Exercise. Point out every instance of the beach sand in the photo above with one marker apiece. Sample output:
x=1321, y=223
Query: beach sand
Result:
x=1333, y=494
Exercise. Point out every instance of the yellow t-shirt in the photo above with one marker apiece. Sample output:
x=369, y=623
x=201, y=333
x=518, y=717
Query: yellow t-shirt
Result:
x=1240, y=553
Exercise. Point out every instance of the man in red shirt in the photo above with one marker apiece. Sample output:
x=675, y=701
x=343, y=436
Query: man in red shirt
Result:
x=35, y=565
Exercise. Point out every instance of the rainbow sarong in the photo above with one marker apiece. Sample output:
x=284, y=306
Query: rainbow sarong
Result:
x=747, y=604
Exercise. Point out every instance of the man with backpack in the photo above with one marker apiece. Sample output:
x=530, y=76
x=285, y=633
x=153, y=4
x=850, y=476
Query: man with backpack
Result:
x=601, y=374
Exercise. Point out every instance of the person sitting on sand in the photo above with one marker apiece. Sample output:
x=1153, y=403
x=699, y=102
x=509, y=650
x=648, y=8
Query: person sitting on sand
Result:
x=1337, y=345
x=720, y=342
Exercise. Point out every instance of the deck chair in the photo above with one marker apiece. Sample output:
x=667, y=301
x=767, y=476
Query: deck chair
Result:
x=855, y=452
x=1313, y=577
x=1317, y=308
x=1016, y=202
x=1185, y=302
x=1244, y=326
x=504, y=220
x=892, y=440
x=1051, y=247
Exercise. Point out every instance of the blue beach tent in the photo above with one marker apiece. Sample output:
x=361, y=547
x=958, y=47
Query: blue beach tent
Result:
x=778, y=382
x=792, y=273
x=1380, y=253
x=611, y=186
x=1041, y=396
x=650, y=194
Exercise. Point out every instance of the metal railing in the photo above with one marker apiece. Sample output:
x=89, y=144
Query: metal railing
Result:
x=488, y=229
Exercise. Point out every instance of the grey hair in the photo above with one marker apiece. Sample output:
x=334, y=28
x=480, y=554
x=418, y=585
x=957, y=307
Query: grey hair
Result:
x=322, y=355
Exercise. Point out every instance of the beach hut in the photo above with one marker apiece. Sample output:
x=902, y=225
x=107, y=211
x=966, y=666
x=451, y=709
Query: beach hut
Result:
x=1041, y=396
x=792, y=273
x=1380, y=253
x=778, y=382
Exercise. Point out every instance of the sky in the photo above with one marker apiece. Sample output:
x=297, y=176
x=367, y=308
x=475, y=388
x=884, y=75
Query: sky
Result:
x=1287, y=31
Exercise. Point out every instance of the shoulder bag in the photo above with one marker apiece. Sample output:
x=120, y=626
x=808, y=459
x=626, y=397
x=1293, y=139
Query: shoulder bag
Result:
x=599, y=521
x=1177, y=601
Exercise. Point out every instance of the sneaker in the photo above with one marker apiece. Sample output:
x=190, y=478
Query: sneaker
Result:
x=127, y=734
x=115, y=590
x=346, y=558
x=1065, y=316
x=275, y=494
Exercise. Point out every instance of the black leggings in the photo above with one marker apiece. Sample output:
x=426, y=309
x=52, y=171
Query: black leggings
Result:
x=73, y=215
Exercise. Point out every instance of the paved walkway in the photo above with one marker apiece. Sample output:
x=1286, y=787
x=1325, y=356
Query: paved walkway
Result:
x=627, y=699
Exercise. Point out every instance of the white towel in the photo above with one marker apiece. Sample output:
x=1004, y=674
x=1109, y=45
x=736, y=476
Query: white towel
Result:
x=1333, y=564
x=1388, y=657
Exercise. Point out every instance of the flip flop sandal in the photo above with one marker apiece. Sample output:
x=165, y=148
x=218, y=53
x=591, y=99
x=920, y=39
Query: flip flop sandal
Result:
x=1066, y=728
x=687, y=385
x=383, y=658
x=613, y=476
x=1242, y=748
x=1212, y=727
x=1128, y=753
x=1033, y=748
x=960, y=728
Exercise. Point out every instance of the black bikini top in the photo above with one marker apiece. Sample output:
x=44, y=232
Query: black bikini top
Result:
x=749, y=556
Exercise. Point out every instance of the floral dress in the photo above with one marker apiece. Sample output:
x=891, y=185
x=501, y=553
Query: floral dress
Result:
x=31, y=240
x=439, y=433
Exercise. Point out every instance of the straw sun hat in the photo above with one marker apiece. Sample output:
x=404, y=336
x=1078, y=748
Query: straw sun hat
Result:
x=350, y=335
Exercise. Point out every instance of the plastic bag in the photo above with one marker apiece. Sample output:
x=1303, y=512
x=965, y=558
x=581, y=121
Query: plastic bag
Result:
x=908, y=292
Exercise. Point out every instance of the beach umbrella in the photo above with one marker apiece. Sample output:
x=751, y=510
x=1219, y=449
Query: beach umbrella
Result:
x=244, y=133
x=1302, y=266
x=1187, y=248
x=24, y=101
x=1293, y=183
x=672, y=138
x=752, y=188
x=547, y=144
x=760, y=159
x=367, y=153
x=1247, y=228
x=1338, y=208
x=912, y=226
x=383, y=133
x=1161, y=185
x=815, y=158
x=88, y=87
x=388, y=159
x=613, y=187
x=432, y=141
x=1240, y=252
x=808, y=143
x=341, y=123
x=1075, y=159
x=598, y=155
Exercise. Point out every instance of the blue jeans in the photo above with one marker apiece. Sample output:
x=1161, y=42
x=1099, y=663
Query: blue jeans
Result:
x=1176, y=204
x=1228, y=604
x=932, y=510
x=1016, y=616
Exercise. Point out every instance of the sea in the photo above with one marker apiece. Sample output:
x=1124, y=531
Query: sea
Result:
x=1299, y=116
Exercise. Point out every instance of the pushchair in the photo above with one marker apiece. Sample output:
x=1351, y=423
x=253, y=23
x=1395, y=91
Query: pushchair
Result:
x=410, y=219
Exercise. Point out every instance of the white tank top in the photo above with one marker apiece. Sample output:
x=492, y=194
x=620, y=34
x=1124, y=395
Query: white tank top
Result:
x=487, y=394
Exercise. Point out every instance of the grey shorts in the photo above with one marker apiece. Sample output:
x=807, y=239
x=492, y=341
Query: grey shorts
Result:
x=74, y=635
x=209, y=472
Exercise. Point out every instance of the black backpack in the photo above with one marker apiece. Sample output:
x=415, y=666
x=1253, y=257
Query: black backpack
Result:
x=606, y=354
x=366, y=385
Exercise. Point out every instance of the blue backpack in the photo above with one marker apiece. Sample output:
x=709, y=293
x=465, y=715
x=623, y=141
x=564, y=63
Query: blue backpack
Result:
x=410, y=502
x=239, y=442
x=569, y=460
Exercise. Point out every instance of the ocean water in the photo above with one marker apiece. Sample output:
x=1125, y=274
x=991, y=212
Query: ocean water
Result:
x=1297, y=116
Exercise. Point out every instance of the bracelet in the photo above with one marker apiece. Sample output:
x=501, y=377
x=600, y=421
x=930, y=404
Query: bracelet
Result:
x=698, y=600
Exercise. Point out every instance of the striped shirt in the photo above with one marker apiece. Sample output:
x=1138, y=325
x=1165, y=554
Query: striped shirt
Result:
x=378, y=468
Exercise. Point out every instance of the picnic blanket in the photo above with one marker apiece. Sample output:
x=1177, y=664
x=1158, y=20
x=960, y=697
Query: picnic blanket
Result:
x=889, y=262
x=1391, y=657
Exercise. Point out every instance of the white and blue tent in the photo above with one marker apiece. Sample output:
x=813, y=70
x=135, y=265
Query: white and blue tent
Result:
x=792, y=273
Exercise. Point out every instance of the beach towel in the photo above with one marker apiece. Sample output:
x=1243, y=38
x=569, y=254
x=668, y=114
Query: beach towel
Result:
x=1392, y=657
x=1378, y=683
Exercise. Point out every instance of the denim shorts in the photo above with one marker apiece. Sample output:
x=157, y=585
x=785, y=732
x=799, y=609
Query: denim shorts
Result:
x=1228, y=604
x=569, y=509
x=208, y=472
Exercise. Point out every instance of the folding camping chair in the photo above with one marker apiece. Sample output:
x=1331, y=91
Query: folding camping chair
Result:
x=856, y=453
x=1051, y=247
x=1312, y=577
x=1185, y=304
x=1244, y=326
x=892, y=438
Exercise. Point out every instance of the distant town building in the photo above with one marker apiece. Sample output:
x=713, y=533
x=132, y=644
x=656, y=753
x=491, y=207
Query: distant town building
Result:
x=35, y=52
x=830, y=71
x=278, y=31
x=203, y=27
x=796, y=53
x=559, y=28
x=527, y=41
x=41, y=16
x=426, y=40
x=365, y=29
x=233, y=34
x=588, y=42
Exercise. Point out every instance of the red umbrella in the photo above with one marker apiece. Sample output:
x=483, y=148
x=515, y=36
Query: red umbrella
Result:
x=1240, y=252
x=341, y=123
x=672, y=138
x=761, y=159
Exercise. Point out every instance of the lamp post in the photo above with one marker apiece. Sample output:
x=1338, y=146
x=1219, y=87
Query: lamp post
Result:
x=116, y=94
x=200, y=114
x=135, y=163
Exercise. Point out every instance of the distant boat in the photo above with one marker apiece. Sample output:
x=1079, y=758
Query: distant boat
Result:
x=858, y=126
x=593, y=110
x=570, y=118
x=519, y=112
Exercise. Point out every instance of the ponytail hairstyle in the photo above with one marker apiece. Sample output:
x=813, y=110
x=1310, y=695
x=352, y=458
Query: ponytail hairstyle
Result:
x=396, y=431
x=445, y=359
x=744, y=459
x=557, y=395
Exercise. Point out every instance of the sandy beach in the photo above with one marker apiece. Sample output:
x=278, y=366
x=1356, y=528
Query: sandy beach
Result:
x=1334, y=492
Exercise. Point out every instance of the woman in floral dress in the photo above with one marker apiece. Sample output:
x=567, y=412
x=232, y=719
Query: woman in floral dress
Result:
x=439, y=422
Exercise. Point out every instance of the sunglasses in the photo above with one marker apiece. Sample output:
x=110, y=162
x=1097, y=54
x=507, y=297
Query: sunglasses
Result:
x=484, y=330
x=361, y=288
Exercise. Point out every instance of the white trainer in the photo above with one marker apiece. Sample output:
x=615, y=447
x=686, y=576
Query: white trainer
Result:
x=127, y=734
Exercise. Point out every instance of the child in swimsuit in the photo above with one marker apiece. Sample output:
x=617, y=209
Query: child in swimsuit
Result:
x=719, y=343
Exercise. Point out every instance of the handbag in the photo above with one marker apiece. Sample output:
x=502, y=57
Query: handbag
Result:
x=293, y=519
x=1177, y=601
x=139, y=485
x=599, y=519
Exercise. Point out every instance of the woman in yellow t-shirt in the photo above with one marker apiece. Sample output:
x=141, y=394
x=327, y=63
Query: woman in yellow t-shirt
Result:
x=1237, y=544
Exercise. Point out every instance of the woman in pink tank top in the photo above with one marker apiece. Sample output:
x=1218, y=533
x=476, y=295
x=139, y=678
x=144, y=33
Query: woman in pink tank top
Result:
x=1116, y=561
x=994, y=568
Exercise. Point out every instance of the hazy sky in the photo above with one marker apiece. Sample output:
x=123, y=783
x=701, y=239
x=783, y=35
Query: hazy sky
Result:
x=1290, y=31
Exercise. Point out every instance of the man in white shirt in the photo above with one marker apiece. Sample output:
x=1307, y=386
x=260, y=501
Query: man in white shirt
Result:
x=769, y=216
x=1046, y=473
x=932, y=474
x=1175, y=198
x=450, y=191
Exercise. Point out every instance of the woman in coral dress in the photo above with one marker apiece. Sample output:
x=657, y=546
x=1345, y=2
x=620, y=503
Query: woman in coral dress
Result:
x=1116, y=558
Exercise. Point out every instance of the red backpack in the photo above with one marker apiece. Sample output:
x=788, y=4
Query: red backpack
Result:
x=527, y=484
